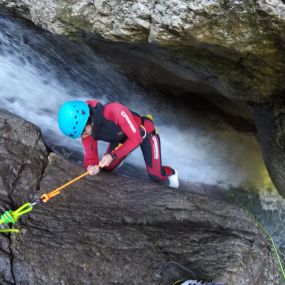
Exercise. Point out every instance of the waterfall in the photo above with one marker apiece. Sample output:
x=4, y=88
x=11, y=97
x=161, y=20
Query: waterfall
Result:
x=39, y=71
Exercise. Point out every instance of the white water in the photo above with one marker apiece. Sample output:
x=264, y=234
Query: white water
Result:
x=36, y=77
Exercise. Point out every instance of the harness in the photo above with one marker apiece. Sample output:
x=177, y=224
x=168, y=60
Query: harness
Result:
x=144, y=133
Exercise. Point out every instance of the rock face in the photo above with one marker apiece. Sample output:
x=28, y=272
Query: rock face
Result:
x=270, y=122
x=236, y=47
x=117, y=230
x=23, y=159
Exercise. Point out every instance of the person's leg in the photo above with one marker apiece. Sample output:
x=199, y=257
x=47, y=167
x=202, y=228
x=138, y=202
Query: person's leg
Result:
x=151, y=149
x=152, y=157
x=115, y=163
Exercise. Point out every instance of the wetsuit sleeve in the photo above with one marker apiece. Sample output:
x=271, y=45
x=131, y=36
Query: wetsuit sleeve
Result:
x=127, y=123
x=90, y=151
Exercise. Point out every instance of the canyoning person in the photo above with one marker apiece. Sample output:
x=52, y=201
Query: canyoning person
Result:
x=123, y=129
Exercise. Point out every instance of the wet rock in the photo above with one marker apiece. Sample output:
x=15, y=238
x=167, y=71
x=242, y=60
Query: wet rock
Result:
x=270, y=122
x=23, y=158
x=111, y=229
x=116, y=229
x=6, y=275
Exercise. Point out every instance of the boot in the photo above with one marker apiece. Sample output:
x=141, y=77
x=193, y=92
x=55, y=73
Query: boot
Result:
x=173, y=181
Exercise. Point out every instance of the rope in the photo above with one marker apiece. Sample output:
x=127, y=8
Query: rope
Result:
x=262, y=228
x=9, y=231
x=55, y=192
x=275, y=250
x=13, y=216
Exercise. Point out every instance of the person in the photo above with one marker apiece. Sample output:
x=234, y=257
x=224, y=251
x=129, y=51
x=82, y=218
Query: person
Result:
x=122, y=128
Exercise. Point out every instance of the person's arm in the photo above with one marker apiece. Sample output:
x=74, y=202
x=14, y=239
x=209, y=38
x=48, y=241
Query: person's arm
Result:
x=124, y=118
x=90, y=151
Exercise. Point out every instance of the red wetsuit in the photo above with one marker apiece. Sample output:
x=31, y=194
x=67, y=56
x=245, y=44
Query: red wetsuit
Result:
x=125, y=131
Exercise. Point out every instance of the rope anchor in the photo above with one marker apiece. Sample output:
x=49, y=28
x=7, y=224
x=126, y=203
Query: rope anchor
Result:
x=11, y=217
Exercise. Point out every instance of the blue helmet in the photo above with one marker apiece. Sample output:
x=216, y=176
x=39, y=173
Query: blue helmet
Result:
x=72, y=118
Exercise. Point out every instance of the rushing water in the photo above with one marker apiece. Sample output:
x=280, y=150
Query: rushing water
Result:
x=39, y=71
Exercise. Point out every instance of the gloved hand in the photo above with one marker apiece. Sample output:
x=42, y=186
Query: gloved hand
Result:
x=93, y=169
x=106, y=160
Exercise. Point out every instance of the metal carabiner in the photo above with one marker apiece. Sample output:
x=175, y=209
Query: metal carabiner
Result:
x=35, y=202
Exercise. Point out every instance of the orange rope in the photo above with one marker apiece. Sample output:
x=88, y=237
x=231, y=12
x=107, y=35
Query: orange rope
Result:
x=55, y=192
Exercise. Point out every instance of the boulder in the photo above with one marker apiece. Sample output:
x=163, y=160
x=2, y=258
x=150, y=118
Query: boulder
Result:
x=111, y=229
